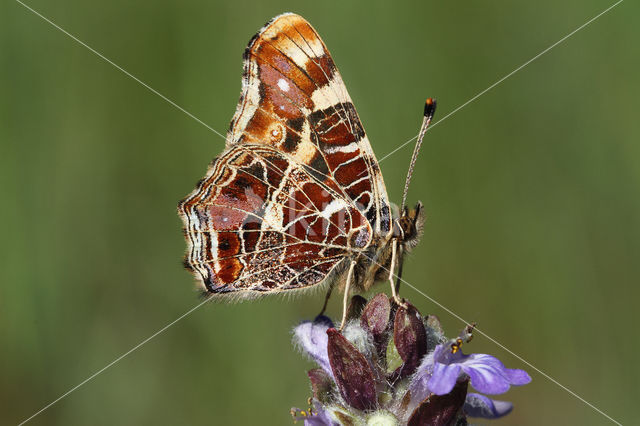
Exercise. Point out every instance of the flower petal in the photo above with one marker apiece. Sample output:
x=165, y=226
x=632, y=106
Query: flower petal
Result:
x=443, y=378
x=489, y=375
x=410, y=338
x=517, y=377
x=418, y=387
x=311, y=337
x=352, y=372
x=318, y=421
x=478, y=405
x=318, y=417
x=440, y=410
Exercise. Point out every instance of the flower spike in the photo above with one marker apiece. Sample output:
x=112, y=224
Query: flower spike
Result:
x=394, y=368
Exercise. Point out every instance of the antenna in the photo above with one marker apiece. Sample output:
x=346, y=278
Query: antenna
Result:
x=429, y=110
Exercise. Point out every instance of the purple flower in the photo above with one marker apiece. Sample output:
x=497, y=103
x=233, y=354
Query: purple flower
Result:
x=441, y=370
x=487, y=373
x=312, y=338
x=391, y=365
x=477, y=405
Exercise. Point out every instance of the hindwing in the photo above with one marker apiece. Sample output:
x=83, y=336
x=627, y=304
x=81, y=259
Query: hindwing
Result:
x=260, y=222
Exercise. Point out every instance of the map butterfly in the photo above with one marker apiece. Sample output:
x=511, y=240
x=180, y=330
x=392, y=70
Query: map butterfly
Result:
x=297, y=199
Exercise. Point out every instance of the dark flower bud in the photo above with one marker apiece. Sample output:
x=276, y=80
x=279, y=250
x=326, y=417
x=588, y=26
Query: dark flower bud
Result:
x=375, y=317
x=356, y=306
x=435, y=334
x=440, y=410
x=410, y=338
x=321, y=384
x=352, y=372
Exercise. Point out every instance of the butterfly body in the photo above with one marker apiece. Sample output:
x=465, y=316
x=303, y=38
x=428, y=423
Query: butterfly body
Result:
x=297, y=199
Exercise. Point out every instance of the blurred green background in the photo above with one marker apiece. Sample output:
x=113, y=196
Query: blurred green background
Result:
x=532, y=195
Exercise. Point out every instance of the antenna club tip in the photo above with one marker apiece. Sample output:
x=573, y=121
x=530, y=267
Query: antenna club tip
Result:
x=429, y=107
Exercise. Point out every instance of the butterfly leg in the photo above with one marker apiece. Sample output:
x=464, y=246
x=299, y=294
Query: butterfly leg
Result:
x=345, y=301
x=392, y=267
x=326, y=299
x=399, y=275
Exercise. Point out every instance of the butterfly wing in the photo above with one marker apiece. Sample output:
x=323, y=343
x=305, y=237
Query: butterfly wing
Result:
x=293, y=99
x=259, y=222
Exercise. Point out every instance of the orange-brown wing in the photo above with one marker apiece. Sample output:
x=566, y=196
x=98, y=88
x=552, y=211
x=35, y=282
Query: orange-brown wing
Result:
x=294, y=100
x=260, y=223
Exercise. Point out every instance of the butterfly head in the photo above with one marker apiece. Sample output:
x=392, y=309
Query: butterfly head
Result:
x=409, y=225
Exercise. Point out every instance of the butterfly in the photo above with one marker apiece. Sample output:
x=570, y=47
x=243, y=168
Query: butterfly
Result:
x=297, y=199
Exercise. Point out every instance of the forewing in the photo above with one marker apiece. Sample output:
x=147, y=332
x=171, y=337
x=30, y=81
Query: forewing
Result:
x=294, y=100
x=259, y=222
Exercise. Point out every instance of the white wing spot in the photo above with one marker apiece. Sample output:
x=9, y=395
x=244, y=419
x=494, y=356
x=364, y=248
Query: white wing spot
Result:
x=352, y=147
x=282, y=84
x=334, y=206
